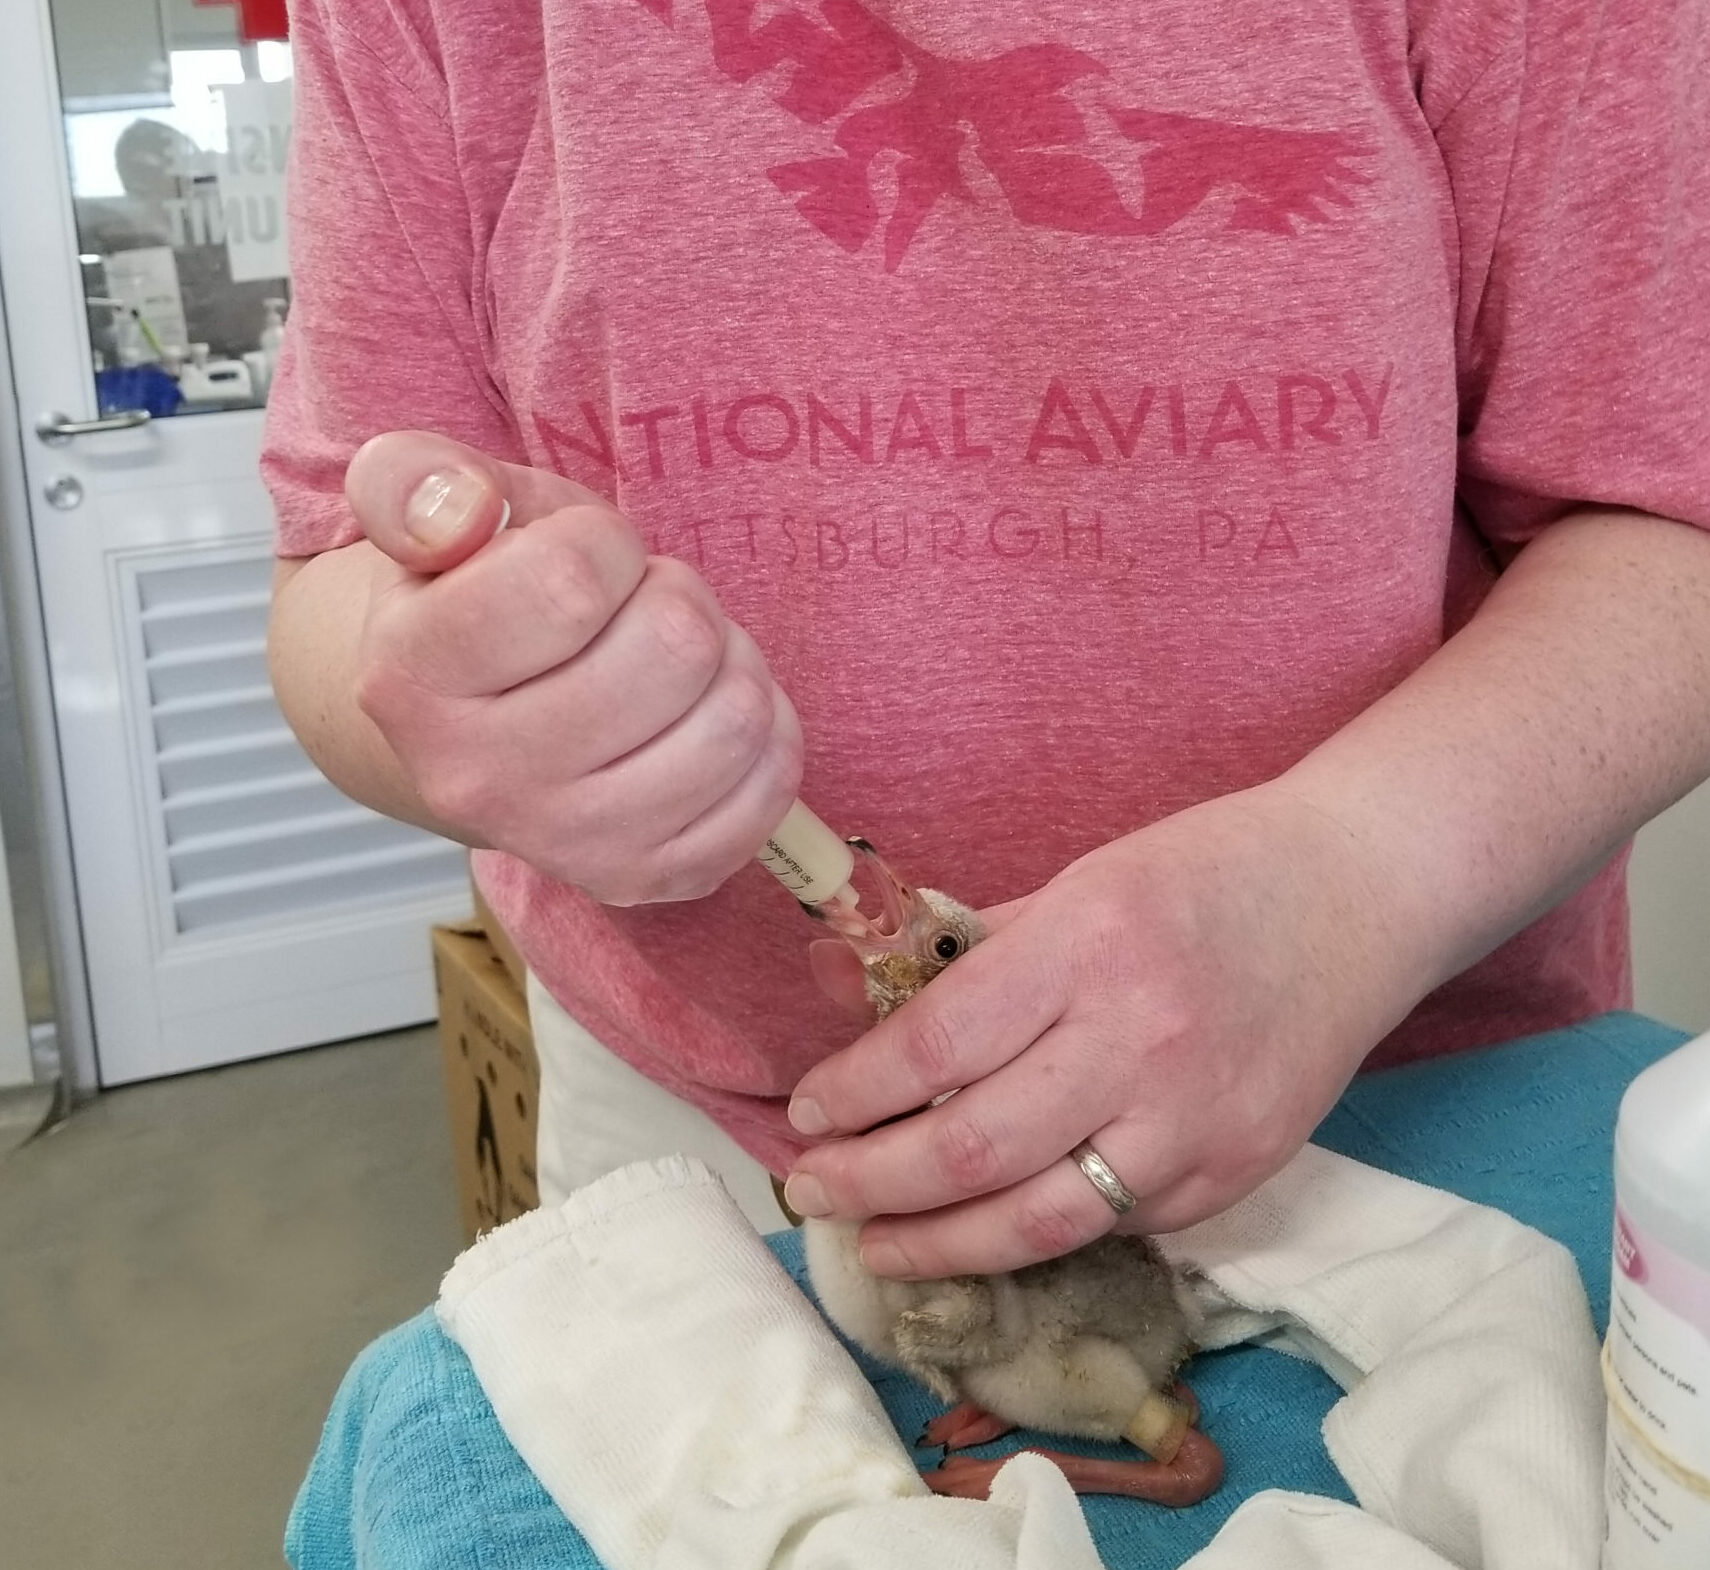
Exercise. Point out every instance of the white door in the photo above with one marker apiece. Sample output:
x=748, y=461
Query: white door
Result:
x=16, y=1067
x=232, y=902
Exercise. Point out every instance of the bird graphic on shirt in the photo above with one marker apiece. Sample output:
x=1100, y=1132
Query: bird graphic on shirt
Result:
x=1087, y=1344
x=1011, y=114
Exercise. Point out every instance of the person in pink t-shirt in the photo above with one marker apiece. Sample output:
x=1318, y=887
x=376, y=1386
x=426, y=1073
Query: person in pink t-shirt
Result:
x=1222, y=488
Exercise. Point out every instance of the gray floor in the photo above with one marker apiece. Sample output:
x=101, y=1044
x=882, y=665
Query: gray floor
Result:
x=186, y=1269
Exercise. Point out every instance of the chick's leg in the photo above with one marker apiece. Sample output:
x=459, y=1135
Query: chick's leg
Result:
x=1193, y=1472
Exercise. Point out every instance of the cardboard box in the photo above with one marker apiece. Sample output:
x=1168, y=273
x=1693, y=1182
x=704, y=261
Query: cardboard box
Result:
x=492, y=1077
x=498, y=936
x=500, y=939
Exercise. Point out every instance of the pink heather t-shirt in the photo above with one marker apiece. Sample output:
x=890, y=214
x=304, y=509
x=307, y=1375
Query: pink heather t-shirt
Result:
x=1088, y=408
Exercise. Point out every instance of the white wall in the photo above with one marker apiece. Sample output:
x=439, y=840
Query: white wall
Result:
x=1670, y=888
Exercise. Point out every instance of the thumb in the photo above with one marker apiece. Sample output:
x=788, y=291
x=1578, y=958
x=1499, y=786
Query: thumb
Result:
x=429, y=502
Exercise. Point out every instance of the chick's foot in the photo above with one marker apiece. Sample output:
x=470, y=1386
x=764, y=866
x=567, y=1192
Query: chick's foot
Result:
x=964, y=1425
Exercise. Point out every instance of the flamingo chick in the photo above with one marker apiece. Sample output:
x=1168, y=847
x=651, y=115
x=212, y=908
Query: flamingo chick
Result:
x=1087, y=1344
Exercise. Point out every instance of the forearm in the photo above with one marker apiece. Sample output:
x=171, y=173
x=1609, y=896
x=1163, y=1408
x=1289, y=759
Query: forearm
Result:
x=313, y=637
x=1500, y=775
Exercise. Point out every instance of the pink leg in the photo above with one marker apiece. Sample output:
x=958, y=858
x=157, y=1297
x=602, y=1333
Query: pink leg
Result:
x=1195, y=1472
x=964, y=1425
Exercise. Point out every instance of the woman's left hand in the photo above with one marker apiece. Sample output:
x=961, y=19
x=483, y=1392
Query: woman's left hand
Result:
x=1191, y=999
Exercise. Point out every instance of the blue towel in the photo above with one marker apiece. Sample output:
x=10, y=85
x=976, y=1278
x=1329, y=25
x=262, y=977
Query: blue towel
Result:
x=414, y=1473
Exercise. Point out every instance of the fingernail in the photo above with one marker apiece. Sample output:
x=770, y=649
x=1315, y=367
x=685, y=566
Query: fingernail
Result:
x=804, y=1195
x=885, y=1259
x=439, y=509
x=807, y=1117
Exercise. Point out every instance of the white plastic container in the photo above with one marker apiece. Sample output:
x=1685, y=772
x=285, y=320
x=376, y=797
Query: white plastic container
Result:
x=203, y=380
x=272, y=328
x=1656, y=1361
x=263, y=360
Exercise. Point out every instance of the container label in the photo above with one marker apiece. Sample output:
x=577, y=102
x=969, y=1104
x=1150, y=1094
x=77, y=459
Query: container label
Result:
x=1658, y=1363
x=1676, y=1283
x=1655, y=1522
x=786, y=869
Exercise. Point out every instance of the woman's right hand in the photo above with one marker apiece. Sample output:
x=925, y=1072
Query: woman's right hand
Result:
x=554, y=691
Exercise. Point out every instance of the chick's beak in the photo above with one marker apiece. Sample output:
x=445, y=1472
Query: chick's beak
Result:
x=898, y=925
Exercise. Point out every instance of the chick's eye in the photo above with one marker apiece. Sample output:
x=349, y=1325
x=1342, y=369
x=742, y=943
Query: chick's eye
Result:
x=946, y=945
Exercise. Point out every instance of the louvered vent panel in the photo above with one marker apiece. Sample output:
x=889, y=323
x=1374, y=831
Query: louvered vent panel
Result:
x=185, y=722
x=176, y=681
x=307, y=794
x=214, y=767
x=250, y=831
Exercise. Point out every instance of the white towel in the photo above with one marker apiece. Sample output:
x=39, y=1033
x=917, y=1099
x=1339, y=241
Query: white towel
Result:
x=1472, y=1434
x=685, y=1406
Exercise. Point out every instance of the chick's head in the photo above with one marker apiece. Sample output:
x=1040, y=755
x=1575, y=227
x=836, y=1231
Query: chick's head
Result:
x=911, y=937
x=938, y=931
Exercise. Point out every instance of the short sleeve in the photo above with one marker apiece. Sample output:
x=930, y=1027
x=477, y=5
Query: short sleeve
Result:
x=384, y=332
x=1576, y=137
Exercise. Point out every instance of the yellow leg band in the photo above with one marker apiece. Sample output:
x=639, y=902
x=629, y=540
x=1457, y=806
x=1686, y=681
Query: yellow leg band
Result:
x=1159, y=1427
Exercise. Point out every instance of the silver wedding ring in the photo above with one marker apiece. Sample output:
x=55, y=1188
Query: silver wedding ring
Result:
x=1099, y=1174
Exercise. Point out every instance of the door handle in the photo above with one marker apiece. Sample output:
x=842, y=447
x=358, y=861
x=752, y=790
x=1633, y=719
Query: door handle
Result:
x=56, y=429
